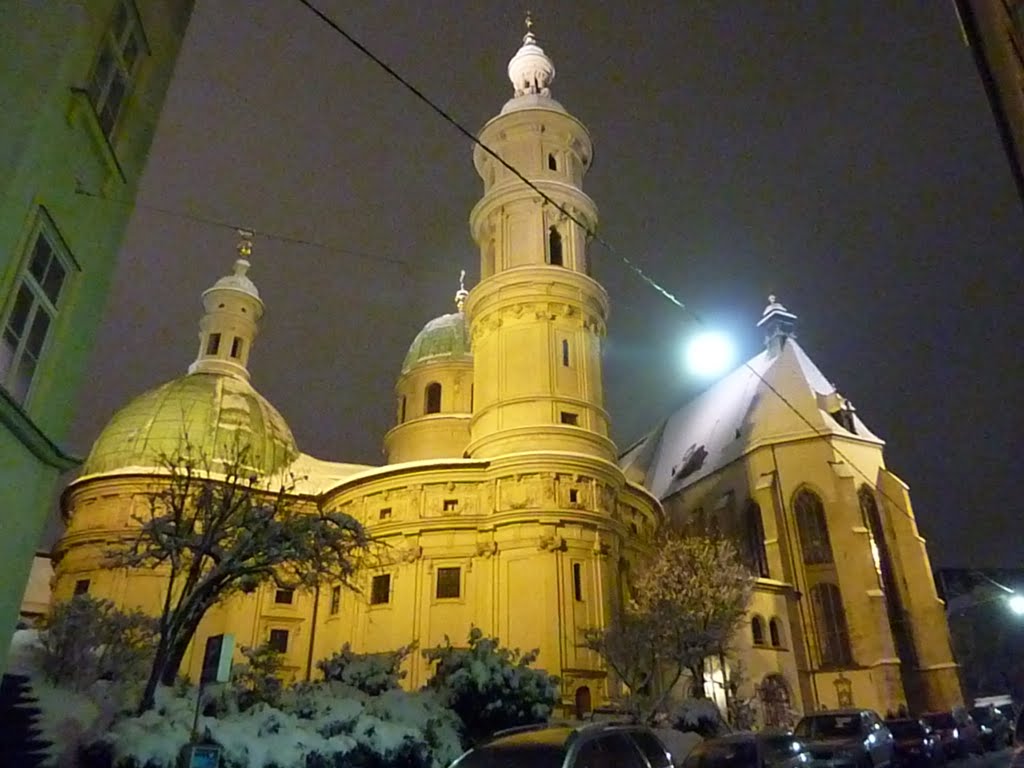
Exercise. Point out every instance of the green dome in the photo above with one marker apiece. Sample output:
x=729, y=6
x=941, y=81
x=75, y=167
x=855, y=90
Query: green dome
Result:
x=216, y=412
x=443, y=337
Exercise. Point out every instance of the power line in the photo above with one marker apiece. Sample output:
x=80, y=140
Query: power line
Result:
x=590, y=232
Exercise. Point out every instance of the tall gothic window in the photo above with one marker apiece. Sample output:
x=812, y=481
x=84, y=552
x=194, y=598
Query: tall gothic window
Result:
x=830, y=623
x=432, y=398
x=753, y=533
x=757, y=630
x=810, y=522
x=554, y=247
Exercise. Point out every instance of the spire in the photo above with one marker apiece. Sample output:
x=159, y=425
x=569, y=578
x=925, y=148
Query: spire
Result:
x=778, y=323
x=229, y=325
x=462, y=294
x=530, y=70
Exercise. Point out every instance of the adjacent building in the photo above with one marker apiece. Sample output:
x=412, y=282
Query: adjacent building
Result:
x=504, y=502
x=84, y=83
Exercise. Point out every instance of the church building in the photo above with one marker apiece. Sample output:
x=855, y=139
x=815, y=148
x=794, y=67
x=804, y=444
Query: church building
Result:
x=504, y=503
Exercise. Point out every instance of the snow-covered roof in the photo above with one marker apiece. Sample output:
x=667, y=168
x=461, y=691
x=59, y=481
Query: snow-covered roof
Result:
x=737, y=414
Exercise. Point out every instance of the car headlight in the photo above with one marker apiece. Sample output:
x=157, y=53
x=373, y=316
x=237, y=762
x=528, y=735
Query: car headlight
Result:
x=956, y=733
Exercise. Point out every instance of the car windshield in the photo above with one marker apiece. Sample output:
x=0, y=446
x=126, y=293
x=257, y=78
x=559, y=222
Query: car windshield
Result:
x=982, y=714
x=722, y=754
x=943, y=720
x=829, y=726
x=519, y=755
x=780, y=745
x=903, y=729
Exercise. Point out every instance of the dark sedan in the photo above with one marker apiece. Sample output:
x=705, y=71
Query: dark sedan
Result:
x=996, y=730
x=748, y=750
x=958, y=738
x=914, y=745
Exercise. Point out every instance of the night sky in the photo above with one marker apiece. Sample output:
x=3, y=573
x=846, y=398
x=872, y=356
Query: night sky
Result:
x=839, y=154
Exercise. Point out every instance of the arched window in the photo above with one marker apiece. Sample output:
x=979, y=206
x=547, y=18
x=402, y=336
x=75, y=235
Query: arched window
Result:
x=757, y=630
x=810, y=522
x=775, y=701
x=554, y=247
x=432, y=398
x=830, y=623
x=753, y=533
x=775, y=632
x=552, y=163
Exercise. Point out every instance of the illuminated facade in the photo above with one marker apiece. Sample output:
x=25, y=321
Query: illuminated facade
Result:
x=503, y=501
x=83, y=86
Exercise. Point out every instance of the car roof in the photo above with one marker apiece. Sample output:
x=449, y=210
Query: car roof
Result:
x=832, y=712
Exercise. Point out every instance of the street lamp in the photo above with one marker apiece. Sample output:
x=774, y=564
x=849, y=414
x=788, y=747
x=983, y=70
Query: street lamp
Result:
x=709, y=354
x=1016, y=603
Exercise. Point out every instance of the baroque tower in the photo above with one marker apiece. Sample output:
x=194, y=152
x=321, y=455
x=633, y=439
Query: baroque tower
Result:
x=536, y=317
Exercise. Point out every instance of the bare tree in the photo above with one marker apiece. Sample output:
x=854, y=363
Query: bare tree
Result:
x=216, y=528
x=687, y=602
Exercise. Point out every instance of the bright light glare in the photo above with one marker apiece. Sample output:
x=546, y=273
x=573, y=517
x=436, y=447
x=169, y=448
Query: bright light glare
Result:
x=1017, y=604
x=710, y=354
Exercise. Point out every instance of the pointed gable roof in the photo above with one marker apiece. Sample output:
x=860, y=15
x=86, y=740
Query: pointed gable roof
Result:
x=734, y=416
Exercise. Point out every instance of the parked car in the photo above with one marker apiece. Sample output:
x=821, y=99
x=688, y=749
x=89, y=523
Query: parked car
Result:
x=846, y=737
x=914, y=744
x=996, y=730
x=959, y=736
x=749, y=750
x=596, y=745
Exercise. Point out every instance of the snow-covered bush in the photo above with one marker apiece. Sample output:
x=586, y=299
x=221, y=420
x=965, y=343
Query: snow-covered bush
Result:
x=699, y=716
x=490, y=687
x=317, y=725
x=371, y=673
x=257, y=679
x=85, y=640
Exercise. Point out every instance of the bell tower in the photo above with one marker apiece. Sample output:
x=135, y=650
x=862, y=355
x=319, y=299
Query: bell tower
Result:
x=536, y=317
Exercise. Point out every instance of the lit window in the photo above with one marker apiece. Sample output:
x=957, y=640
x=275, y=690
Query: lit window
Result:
x=278, y=640
x=554, y=247
x=335, y=600
x=757, y=630
x=810, y=522
x=82, y=586
x=432, y=398
x=380, y=589
x=577, y=581
x=449, y=583
x=284, y=596
x=32, y=308
x=117, y=66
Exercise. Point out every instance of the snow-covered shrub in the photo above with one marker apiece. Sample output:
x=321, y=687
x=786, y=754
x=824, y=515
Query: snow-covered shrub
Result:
x=257, y=679
x=490, y=687
x=371, y=673
x=85, y=640
x=699, y=716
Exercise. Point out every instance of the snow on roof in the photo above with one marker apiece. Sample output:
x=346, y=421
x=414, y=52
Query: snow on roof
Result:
x=735, y=415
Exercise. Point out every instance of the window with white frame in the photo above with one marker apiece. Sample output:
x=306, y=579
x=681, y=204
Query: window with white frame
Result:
x=31, y=308
x=114, y=75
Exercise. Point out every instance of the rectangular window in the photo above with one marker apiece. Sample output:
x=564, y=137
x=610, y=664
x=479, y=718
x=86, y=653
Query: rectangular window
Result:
x=451, y=505
x=380, y=589
x=572, y=419
x=279, y=640
x=82, y=586
x=577, y=581
x=117, y=66
x=565, y=353
x=284, y=596
x=33, y=307
x=213, y=344
x=384, y=514
x=449, y=582
x=574, y=496
x=335, y=600
x=236, y=347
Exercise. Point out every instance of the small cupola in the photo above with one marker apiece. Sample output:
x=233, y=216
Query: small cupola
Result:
x=778, y=324
x=231, y=320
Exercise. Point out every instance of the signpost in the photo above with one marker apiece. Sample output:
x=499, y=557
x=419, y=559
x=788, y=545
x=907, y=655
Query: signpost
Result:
x=216, y=669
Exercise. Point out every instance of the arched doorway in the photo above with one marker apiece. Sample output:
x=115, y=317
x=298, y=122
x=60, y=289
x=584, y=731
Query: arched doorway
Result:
x=775, y=702
x=583, y=706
